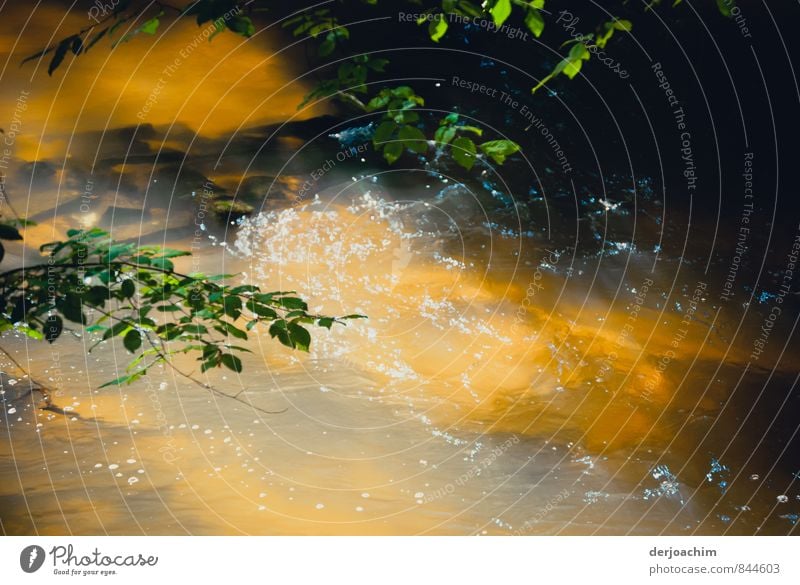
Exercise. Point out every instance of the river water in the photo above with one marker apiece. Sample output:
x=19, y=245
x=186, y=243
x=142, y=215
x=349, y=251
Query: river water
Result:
x=503, y=383
x=523, y=370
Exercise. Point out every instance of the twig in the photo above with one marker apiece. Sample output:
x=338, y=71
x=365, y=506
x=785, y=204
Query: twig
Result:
x=42, y=388
x=203, y=385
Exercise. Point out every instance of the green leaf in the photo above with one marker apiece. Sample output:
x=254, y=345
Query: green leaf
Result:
x=170, y=253
x=77, y=45
x=238, y=333
x=261, y=310
x=128, y=288
x=623, y=25
x=414, y=139
x=150, y=27
x=30, y=332
x=326, y=322
x=384, y=132
x=132, y=340
x=163, y=263
x=500, y=11
x=279, y=329
x=534, y=22
x=293, y=303
x=463, y=150
x=437, y=28
x=243, y=288
x=392, y=151
x=117, y=250
x=37, y=55
x=725, y=7
x=95, y=295
x=232, y=306
x=577, y=55
x=300, y=336
x=444, y=134
x=19, y=311
x=72, y=308
x=169, y=331
x=472, y=129
x=231, y=362
x=327, y=46
x=116, y=329
x=61, y=52
x=498, y=150
x=53, y=327
x=241, y=25
x=8, y=232
x=118, y=382
x=144, y=260
x=195, y=329
x=378, y=64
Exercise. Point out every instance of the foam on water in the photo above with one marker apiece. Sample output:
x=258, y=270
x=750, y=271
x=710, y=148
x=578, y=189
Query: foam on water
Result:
x=460, y=315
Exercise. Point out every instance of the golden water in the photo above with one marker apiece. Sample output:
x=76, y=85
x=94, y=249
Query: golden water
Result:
x=468, y=402
x=504, y=382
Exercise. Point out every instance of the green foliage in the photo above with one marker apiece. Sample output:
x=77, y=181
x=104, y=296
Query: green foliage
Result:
x=534, y=21
x=224, y=14
x=148, y=27
x=395, y=132
x=569, y=65
x=393, y=136
x=318, y=23
x=134, y=292
x=581, y=50
x=500, y=11
x=351, y=77
x=401, y=127
x=437, y=28
x=498, y=150
x=725, y=7
x=8, y=231
x=607, y=31
x=464, y=150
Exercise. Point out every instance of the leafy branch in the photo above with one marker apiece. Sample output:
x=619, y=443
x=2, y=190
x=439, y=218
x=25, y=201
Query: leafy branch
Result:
x=134, y=293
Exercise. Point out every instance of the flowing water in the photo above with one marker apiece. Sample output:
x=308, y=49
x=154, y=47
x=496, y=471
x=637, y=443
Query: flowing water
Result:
x=524, y=369
x=496, y=387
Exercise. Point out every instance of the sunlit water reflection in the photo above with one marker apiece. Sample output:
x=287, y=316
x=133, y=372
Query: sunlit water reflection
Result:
x=500, y=385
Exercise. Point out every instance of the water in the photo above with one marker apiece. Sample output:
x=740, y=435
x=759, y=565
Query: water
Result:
x=536, y=361
x=494, y=389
